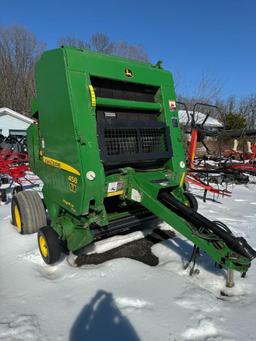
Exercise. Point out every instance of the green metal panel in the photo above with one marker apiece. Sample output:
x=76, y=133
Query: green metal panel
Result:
x=108, y=102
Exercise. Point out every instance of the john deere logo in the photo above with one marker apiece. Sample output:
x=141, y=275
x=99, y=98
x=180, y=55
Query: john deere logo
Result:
x=128, y=72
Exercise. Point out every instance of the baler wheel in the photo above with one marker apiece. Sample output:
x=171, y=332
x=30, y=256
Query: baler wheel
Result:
x=28, y=212
x=192, y=200
x=49, y=245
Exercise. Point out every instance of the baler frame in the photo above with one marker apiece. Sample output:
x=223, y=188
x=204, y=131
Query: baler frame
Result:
x=81, y=178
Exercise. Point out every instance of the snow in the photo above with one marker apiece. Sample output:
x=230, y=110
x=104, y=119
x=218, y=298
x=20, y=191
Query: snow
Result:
x=123, y=299
x=116, y=241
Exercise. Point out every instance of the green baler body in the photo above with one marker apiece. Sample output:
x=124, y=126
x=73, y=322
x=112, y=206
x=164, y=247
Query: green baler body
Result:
x=66, y=153
x=68, y=126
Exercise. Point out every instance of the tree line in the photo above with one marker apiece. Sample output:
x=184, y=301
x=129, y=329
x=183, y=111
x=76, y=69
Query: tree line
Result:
x=20, y=49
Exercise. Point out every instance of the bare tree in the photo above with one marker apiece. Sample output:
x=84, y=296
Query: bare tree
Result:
x=248, y=109
x=208, y=91
x=131, y=51
x=19, y=50
x=227, y=107
x=101, y=42
x=179, y=82
x=98, y=42
x=73, y=41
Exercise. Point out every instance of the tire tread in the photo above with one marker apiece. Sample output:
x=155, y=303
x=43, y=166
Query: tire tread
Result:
x=32, y=211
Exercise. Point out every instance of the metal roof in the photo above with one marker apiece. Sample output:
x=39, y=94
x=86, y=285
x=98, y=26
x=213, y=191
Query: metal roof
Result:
x=211, y=122
x=4, y=111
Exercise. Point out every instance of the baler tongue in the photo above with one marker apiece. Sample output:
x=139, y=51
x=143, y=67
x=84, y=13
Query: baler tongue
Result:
x=215, y=229
x=213, y=237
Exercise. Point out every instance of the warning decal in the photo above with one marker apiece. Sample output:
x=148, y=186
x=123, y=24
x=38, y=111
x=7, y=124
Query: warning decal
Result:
x=172, y=105
x=115, y=188
x=135, y=195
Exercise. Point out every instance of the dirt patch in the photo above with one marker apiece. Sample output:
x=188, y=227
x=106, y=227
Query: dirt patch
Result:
x=139, y=250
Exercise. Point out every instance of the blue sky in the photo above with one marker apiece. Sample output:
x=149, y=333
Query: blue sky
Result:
x=215, y=37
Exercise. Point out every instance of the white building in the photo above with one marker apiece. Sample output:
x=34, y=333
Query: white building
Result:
x=211, y=123
x=13, y=123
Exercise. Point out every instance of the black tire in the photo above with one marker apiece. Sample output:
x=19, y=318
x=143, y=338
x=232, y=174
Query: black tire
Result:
x=49, y=245
x=192, y=200
x=28, y=212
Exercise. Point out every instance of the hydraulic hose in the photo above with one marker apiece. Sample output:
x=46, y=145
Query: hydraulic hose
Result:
x=237, y=244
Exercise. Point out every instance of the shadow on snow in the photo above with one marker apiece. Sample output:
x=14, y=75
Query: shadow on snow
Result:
x=102, y=320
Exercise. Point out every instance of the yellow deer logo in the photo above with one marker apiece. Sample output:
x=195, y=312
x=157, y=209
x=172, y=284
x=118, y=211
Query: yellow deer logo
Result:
x=128, y=72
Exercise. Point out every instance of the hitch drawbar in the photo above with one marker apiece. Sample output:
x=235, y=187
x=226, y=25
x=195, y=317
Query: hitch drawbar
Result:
x=209, y=230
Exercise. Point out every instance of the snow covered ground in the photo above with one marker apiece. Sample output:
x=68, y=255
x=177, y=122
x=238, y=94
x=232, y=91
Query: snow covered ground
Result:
x=123, y=299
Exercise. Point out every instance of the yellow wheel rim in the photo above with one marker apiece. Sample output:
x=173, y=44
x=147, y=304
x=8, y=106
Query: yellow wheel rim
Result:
x=43, y=246
x=17, y=218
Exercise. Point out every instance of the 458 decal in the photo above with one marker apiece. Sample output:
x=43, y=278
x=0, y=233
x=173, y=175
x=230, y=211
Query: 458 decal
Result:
x=72, y=181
